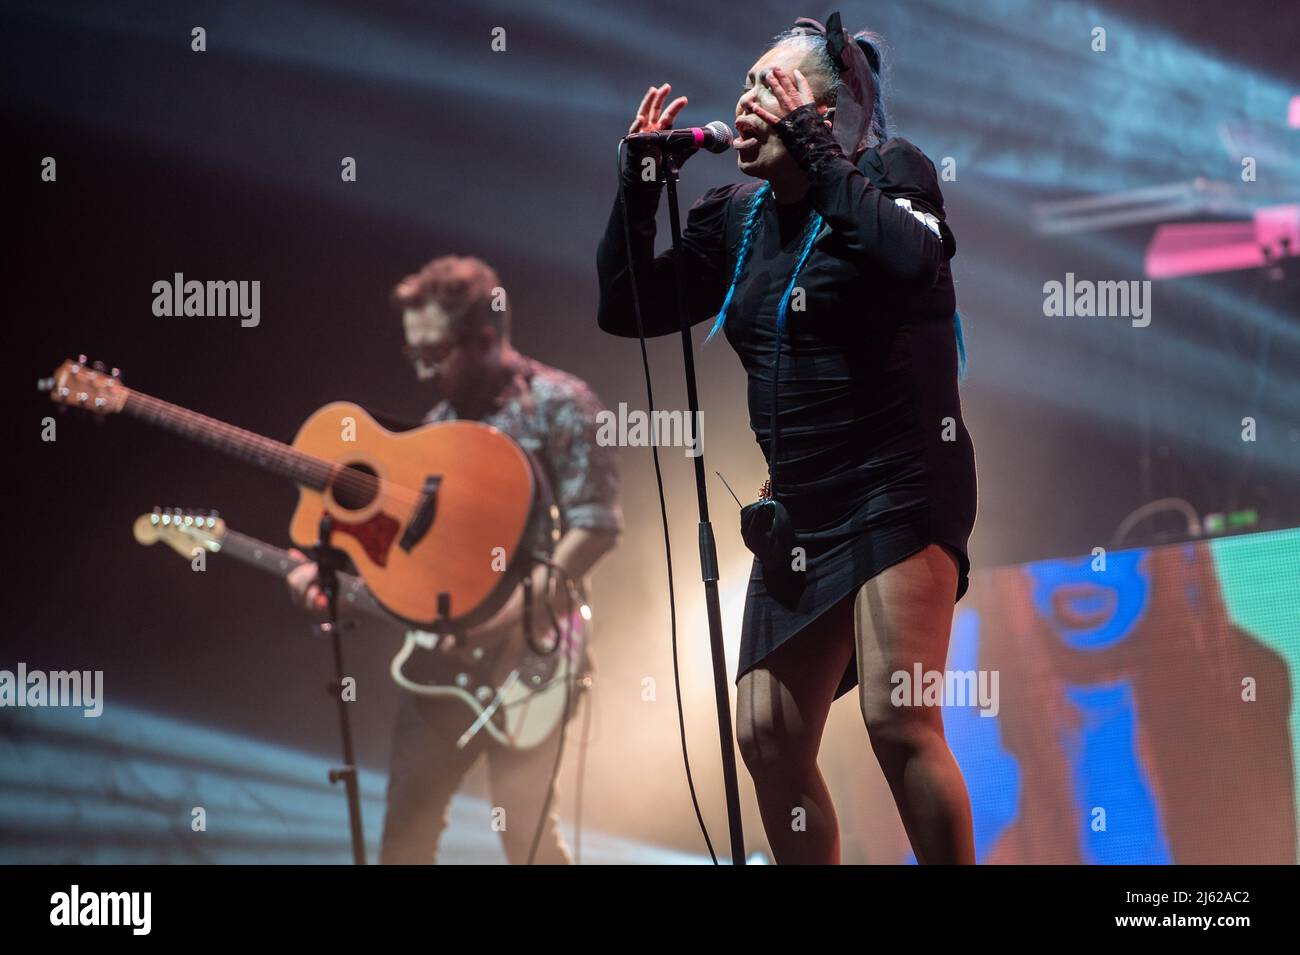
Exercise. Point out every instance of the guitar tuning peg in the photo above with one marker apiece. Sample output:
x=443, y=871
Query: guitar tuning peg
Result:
x=98, y=366
x=116, y=372
x=81, y=359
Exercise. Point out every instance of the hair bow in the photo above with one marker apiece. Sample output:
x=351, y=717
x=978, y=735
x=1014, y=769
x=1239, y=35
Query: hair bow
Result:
x=855, y=103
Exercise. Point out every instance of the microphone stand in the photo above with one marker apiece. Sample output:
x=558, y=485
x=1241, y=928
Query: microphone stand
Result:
x=708, y=548
x=327, y=577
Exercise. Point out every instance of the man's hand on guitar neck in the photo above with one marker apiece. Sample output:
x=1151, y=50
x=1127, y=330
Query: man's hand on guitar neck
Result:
x=305, y=590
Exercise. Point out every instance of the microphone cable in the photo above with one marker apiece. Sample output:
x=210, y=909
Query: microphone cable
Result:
x=564, y=646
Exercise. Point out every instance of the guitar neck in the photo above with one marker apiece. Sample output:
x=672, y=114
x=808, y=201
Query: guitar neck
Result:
x=267, y=453
x=278, y=561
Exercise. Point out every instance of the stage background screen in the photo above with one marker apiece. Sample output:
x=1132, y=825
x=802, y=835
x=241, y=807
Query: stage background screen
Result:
x=1146, y=705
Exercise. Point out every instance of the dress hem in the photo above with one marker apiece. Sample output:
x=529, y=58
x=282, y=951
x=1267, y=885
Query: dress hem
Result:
x=850, y=678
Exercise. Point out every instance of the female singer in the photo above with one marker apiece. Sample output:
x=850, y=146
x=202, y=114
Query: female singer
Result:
x=829, y=276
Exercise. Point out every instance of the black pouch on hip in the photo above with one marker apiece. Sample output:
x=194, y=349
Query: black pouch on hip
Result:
x=766, y=530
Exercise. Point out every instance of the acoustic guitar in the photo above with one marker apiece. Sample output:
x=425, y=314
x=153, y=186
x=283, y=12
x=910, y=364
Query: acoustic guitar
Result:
x=439, y=521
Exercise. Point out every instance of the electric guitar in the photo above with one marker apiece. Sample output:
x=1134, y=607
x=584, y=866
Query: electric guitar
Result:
x=438, y=520
x=519, y=702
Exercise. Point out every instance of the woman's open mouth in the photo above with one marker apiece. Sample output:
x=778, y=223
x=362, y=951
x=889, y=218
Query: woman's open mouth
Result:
x=748, y=130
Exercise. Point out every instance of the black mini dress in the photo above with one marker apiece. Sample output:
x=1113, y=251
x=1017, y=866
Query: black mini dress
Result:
x=874, y=460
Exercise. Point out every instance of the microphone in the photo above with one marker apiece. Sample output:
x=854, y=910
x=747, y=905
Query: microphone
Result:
x=715, y=137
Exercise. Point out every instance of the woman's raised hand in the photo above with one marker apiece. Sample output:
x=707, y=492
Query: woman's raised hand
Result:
x=652, y=116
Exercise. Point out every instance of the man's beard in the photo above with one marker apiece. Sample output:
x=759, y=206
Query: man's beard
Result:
x=427, y=373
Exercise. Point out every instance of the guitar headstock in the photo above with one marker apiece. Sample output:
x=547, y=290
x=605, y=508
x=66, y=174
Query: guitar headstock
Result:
x=181, y=530
x=86, y=386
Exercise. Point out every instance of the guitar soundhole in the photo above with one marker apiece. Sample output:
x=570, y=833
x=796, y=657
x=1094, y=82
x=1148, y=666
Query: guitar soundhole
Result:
x=355, y=486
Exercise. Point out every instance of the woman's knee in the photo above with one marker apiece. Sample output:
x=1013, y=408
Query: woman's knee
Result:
x=770, y=745
x=900, y=732
x=781, y=706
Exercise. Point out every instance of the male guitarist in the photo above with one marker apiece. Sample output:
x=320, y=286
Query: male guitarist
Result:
x=458, y=339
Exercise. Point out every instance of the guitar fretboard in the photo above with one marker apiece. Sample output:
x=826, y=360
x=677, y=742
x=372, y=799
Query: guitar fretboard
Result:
x=278, y=561
x=265, y=452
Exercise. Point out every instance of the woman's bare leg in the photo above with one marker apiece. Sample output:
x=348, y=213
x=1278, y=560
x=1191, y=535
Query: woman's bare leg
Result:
x=903, y=617
x=781, y=708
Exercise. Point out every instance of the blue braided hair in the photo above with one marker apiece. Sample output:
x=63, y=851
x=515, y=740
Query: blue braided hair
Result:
x=814, y=226
x=746, y=239
x=742, y=253
x=961, y=346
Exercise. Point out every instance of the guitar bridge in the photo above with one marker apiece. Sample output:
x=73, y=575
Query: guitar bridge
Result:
x=425, y=511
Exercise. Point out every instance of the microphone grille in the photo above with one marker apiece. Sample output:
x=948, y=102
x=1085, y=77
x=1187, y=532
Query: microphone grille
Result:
x=721, y=139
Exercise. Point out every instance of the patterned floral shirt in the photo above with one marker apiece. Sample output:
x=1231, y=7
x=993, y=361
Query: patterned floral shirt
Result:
x=552, y=414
